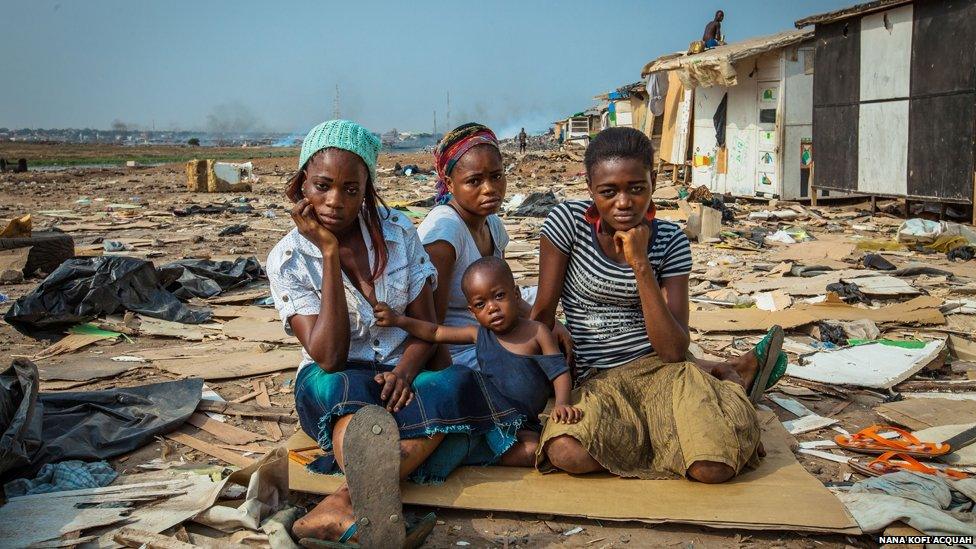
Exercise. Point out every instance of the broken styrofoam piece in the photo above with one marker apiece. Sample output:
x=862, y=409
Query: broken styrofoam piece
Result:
x=814, y=444
x=210, y=394
x=807, y=420
x=781, y=237
x=791, y=405
x=806, y=424
x=873, y=365
x=782, y=215
x=824, y=455
x=773, y=301
x=883, y=285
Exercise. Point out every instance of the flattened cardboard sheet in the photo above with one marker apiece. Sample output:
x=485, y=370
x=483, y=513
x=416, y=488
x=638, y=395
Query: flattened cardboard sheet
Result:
x=779, y=495
x=923, y=413
x=921, y=310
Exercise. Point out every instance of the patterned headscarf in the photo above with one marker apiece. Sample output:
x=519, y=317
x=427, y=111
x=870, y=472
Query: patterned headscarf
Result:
x=453, y=146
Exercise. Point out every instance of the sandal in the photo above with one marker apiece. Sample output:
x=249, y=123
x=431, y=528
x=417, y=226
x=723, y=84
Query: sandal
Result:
x=870, y=441
x=417, y=532
x=372, y=449
x=893, y=462
x=772, y=363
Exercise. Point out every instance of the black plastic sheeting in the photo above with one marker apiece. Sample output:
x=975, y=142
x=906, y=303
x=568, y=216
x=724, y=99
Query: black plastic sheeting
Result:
x=204, y=278
x=82, y=289
x=39, y=428
x=536, y=205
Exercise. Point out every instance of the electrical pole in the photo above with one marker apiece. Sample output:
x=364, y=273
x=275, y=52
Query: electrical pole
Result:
x=435, y=123
x=335, y=104
x=448, y=110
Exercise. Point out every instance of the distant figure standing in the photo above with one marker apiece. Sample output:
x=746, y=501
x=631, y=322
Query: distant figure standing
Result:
x=713, y=30
x=523, y=138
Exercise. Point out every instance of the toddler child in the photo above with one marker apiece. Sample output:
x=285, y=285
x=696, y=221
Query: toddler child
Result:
x=519, y=358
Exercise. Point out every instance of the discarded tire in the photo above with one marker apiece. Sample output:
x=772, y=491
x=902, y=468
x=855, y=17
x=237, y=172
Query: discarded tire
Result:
x=48, y=250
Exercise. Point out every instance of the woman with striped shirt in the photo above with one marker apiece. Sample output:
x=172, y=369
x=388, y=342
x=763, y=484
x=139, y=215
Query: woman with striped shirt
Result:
x=622, y=276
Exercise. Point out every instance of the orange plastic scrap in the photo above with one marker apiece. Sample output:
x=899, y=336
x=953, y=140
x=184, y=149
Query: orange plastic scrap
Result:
x=893, y=462
x=870, y=441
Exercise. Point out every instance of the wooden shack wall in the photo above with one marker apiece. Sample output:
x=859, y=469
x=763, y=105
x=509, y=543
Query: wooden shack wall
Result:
x=895, y=114
x=942, y=117
x=836, y=102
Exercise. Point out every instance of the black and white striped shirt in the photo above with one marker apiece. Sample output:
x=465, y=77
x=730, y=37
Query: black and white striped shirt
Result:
x=600, y=296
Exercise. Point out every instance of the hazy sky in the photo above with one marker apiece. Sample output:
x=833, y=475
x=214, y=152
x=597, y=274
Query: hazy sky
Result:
x=275, y=65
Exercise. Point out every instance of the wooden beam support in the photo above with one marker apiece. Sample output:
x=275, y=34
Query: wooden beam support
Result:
x=813, y=190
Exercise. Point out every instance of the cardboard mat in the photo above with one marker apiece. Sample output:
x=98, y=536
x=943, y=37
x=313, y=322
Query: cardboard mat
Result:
x=779, y=495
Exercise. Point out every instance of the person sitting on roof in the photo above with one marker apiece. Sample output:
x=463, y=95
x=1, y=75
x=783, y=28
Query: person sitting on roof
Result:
x=713, y=31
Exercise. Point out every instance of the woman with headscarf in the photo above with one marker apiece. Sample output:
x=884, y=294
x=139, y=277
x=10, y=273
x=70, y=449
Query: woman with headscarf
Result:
x=347, y=252
x=464, y=226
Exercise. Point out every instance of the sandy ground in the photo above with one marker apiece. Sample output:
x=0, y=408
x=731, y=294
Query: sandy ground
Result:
x=160, y=189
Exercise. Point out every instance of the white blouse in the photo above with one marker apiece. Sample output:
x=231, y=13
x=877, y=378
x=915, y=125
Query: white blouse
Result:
x=295, y=271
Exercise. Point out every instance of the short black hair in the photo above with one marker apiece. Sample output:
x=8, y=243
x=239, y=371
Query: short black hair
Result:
x=491, y=264
x=619, y=142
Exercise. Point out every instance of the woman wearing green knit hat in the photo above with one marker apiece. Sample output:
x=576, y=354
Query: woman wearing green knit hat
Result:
x=347, y=252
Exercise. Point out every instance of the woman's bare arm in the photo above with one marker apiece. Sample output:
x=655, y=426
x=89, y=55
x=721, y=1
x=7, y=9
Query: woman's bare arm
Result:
x=552, y=276
x=325, y=336
x=442, y=257
x=667, y=333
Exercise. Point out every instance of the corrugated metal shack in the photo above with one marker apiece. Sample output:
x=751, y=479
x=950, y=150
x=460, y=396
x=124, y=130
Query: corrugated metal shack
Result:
x=894, y=99
x=747, y=108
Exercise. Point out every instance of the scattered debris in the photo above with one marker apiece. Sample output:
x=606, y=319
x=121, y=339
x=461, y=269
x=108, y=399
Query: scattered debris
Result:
x=208, y=176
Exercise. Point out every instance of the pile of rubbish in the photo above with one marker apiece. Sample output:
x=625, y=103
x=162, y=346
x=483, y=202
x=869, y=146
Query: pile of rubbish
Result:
x=152, y=370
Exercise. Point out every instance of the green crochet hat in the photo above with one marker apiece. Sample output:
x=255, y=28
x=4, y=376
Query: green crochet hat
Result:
x=342, y=134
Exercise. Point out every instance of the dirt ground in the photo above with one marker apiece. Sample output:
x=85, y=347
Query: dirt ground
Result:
x=53, y=198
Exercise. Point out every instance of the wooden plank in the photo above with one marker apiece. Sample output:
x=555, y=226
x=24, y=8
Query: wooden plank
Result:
x=813, y=189
x=210, y=449
x=245, y=398
x=224, y=432
x=230, y=408
x=264, y=401
x=248, y=448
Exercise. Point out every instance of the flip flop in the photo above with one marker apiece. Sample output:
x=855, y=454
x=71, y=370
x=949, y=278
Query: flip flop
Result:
x=372, y=448
x=417, y=532
x=870, y=441
x=772, y=363
x=893, y=462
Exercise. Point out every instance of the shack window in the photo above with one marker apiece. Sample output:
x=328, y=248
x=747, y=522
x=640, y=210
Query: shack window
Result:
x=767, y=116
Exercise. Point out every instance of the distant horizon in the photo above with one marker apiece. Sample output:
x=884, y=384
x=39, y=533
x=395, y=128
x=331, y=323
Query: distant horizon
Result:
x=256, y=67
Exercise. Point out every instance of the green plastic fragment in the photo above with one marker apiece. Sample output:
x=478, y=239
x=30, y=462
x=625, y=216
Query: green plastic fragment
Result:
x=903, y=343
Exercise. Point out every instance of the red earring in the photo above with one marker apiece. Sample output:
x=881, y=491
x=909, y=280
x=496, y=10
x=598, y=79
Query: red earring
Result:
x=591, y=215
x=651, y=212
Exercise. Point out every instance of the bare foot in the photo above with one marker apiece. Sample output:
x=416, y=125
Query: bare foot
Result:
x=328, y=520
x=724, y=371
x=747, y=366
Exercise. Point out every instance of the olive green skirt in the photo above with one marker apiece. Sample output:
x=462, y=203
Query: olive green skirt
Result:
x=649, y=419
